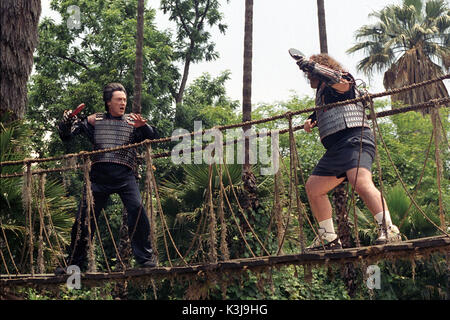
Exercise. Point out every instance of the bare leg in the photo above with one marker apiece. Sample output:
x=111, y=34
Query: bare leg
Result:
x=366, y=189
x=317, y=188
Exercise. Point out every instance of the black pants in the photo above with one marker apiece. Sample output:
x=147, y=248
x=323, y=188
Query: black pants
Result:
x=138, y=223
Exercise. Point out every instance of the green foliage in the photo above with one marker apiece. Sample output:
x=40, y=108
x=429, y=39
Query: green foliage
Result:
x=205, y=100
x=191, y=17
x=14, y=146
x=102, y=293
x=184, y=199
x=72, y=66
x=425, y=279
x=407, y=137
x=284, y=283
x=287, y=283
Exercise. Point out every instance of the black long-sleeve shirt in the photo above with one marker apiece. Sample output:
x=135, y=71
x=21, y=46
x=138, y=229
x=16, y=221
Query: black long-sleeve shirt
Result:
x=68, y=131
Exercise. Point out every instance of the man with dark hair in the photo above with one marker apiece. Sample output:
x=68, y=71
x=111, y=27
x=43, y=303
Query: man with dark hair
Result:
x=344, y=131
x=111, y=172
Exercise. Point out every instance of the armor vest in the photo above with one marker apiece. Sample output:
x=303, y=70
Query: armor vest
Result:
x=330, y=121
x=111, y=133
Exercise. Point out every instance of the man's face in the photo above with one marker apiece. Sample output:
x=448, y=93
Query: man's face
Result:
x=117, y=104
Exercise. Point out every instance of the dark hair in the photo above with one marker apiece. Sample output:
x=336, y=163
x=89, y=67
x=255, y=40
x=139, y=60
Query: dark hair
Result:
x=108, y=91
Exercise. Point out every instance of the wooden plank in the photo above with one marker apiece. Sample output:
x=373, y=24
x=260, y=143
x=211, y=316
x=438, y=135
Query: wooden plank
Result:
x=231, y=264
x=340, y=255
x=247, y=263
x=256, y=263
x=273, y=260
x=398, y=247
x=430, y=243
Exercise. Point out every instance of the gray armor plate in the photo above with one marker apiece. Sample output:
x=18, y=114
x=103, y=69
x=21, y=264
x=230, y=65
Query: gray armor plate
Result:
x=335, y=119
x=111, y=133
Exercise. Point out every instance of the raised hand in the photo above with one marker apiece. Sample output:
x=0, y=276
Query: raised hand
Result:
x=305, y=65
x=136, y=120
x=67, y=118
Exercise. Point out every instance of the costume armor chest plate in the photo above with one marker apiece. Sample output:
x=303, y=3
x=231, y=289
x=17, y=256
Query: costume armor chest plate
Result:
x=330, y=121
x=111, y=133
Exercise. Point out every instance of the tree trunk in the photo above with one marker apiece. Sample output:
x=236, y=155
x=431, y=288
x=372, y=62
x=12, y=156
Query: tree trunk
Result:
x=187, y=64
x=139, y=58
x=19, y=38
x=413, y=67
x=121, y=289
x=340, y=203
x=179, y=112
x=249, y=179
x=322, y=26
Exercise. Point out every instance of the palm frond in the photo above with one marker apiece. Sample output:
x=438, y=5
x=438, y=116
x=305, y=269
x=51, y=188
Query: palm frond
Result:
x=435, y=8
x=399, y=28
x=417, y=4
x=185, y=217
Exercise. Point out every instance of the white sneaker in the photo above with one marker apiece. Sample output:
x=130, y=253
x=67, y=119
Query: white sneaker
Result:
x=330, y=242
x=392, y=235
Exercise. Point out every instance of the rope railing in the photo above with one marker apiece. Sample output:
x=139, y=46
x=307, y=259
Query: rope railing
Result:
x=243, y=124
x=209, y=214
x=415, y=107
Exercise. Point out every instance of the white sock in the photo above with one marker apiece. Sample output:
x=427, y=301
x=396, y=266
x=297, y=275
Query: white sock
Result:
x=326, y=226
x=387, y=217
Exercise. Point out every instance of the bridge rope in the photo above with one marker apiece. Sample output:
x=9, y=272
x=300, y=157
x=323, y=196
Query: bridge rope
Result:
x=247, y=123
x=401, y=180
x=208, y=213
x=370, y=254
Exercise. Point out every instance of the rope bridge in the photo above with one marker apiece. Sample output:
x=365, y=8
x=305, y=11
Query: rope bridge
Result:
x=218, y=199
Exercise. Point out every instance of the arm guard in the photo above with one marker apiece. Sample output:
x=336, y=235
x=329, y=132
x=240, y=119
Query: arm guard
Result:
x=325, y=74
x=313, y=117
x=67, y=129
x=329, y=76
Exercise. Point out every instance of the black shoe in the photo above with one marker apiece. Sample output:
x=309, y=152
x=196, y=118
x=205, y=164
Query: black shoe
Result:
x=60, y=271
x=150, y=263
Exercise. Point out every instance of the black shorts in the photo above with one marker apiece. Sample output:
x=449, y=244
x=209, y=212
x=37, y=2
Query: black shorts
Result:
x=344, y=154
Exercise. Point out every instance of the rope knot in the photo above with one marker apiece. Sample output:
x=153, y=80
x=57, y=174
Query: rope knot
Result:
x=83, y=154
x=436, y=102
x=289, y=115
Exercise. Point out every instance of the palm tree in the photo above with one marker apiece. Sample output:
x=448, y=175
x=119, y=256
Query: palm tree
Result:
x=14, y=145
x=248, y=176
x=19, y=37
x=185, y=199
x=405, y=42
x=124, y=242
